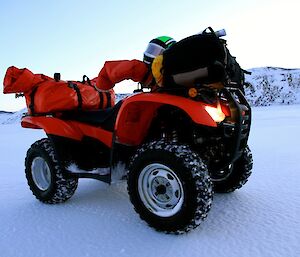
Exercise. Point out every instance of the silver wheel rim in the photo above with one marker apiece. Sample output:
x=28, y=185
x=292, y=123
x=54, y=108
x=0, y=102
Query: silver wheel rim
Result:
x=41, y=174
x=160, y=190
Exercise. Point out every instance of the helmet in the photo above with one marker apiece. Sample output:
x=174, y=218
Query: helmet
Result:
x=156, y=47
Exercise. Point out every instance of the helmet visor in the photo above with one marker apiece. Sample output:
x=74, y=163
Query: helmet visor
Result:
x=154, y=50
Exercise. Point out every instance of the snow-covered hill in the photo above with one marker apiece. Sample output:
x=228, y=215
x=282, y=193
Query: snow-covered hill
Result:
x=261, y=219
x=11, y=117
x=270, y=85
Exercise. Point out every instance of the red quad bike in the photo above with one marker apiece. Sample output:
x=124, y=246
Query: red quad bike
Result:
x=175, y=146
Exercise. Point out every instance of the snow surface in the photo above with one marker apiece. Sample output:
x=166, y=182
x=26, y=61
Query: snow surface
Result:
x=261, y=219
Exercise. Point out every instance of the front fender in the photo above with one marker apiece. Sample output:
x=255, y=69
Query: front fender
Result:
x=138, y=111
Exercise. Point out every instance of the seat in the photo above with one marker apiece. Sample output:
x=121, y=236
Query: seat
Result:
x=104, y=118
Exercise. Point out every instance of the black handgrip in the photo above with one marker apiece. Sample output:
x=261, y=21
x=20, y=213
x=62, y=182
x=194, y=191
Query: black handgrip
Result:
x=56, y=77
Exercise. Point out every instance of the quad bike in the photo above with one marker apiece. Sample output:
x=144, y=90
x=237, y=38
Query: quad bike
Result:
x=176, y=147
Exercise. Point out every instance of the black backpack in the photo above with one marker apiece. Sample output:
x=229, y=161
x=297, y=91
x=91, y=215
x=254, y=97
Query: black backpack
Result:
x=205, y=53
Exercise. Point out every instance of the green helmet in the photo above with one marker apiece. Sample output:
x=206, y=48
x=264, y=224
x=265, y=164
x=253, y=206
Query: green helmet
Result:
x=156, y=46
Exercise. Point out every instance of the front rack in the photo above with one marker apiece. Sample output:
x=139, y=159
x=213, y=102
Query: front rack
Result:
x=237, y=127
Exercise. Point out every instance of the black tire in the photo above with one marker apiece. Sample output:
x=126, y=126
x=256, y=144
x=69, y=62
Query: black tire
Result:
x=178, y=207
x=52, y=187
x=237, y=176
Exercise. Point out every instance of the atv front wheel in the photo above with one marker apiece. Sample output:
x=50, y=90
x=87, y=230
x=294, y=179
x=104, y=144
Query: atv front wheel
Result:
x=235, y=176
x=169, y=186
x=45, y=175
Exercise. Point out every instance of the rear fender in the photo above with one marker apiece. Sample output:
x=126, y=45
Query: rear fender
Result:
x=69, y=129
x=138, y=111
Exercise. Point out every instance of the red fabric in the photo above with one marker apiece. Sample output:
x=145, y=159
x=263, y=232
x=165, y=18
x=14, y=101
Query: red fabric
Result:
x=117, y=71
x=51, y=96
x=54, y=96
x=21, y=80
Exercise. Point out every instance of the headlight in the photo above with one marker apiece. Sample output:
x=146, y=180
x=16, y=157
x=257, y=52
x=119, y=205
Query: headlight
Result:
x=215, y=112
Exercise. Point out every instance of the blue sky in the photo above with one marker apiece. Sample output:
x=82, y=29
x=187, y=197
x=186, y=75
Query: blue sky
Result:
x=77, y=37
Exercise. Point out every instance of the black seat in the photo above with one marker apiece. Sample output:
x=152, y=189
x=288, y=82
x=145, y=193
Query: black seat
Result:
x=105, y=118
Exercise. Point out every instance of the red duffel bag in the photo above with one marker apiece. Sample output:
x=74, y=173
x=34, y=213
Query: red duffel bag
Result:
x=46, y=95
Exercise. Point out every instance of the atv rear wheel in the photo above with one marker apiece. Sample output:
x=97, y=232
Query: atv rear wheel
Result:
x=45, y=175
x=235, y=176
x=169, y=186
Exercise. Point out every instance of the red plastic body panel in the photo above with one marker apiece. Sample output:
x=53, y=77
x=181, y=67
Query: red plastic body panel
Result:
x=133, y=121
x=225, y=109
x=70, y=129
x=137, y=112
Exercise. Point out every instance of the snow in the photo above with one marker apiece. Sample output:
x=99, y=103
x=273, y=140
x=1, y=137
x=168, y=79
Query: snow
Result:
x=99, y=171
x=273, y=86
x=261, y=219
x=118, y=171
x=11, y=117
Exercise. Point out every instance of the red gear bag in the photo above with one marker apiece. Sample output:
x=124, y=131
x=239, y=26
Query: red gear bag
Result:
x=46, y=95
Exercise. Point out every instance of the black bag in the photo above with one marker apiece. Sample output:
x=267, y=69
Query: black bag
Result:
x=194, y=53
x=201, y=58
